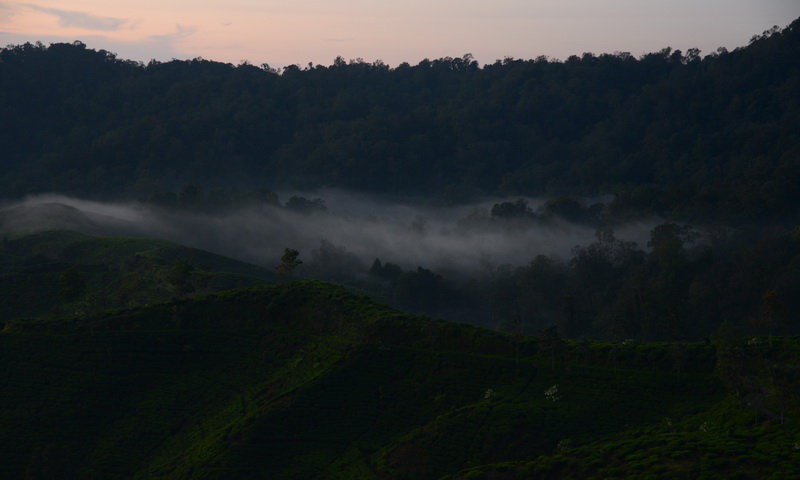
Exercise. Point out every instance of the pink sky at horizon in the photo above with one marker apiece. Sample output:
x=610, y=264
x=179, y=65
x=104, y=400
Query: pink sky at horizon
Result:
x=282, y=33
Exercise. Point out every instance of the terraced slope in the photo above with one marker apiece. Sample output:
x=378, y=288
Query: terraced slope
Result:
x=725, y=442
x=306, y=380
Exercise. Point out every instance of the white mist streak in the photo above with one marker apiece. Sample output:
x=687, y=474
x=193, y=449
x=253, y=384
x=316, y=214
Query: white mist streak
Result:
x=404, y=233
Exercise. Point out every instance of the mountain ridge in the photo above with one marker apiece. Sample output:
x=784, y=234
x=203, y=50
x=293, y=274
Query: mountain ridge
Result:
x=667, y=133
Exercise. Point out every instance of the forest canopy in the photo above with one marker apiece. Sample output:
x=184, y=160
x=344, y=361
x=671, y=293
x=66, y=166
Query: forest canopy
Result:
x=670, y=132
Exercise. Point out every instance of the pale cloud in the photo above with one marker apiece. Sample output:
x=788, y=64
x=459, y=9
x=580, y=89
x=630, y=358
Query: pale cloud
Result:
x=125, y=32
x=181, y=32
x=84, y=20
x=6, y=12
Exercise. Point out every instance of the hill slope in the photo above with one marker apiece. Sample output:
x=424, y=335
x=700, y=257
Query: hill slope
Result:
x=306, y=380
x=60, y=271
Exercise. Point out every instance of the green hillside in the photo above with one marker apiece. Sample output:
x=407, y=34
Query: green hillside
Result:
x=726, y=442
x=60, y=271
x=307, y=380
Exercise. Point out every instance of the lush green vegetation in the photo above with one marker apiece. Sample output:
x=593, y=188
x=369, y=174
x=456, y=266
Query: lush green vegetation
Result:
x=307, y=380
x=671, y=132
x=58, y=272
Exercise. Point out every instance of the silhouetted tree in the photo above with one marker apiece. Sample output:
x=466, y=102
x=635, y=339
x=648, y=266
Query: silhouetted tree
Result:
x=288, y=263
x=512, y=210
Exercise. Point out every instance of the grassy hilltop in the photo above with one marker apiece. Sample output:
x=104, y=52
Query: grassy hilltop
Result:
x=55, y=272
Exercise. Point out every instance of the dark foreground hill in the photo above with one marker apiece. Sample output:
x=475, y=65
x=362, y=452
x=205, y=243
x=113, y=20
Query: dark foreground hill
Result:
x=306, y=380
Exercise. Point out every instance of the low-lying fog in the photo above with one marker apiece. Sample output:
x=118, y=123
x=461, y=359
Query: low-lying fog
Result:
x=462, y=238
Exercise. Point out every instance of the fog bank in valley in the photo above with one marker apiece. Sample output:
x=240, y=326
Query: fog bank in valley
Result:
x=352, y=229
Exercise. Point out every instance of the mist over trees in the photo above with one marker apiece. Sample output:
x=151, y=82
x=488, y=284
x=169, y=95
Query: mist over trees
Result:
x=676, y=138
x=675, y=288
x=673, y=133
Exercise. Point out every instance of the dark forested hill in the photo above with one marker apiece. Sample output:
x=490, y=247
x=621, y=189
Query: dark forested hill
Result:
x=669, y=132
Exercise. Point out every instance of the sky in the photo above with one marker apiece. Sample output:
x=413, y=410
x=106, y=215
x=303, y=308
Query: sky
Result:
x=280, y=32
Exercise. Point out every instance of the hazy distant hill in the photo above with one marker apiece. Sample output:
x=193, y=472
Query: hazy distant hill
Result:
x=670, y=132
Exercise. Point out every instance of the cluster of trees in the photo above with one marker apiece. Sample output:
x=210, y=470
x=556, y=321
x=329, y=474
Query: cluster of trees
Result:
x=222, y=200
x=566, y=208
x=668, y=132
x=682, y=283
